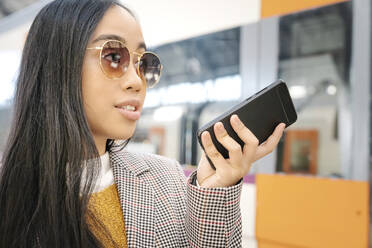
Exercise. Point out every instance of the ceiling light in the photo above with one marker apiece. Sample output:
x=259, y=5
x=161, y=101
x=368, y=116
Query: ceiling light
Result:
x=332, y=90
x=297, y=91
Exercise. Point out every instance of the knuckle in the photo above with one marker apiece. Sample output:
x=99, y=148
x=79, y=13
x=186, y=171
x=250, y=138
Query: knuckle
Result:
x=222, y=135
x=268, y=151
x=214, y=153
x=240, y=127
x=271, y=149
x=209, y=147
x=236, y=148
x=254, y=141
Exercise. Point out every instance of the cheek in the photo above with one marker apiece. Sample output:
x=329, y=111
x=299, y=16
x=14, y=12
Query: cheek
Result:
x=95, y=91
x=99, y=95
x=98, y=98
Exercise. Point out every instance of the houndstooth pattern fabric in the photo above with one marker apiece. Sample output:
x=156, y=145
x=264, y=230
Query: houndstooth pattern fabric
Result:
x=163, y=209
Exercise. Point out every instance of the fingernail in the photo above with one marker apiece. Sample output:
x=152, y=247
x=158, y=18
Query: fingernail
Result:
x=205, y=136
x=235, y=119
x=219, y=127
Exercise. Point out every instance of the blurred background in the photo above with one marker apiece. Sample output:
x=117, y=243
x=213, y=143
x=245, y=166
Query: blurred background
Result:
x=314, y=190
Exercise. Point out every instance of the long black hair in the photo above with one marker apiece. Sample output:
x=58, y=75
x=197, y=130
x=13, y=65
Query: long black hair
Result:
x=50, y=141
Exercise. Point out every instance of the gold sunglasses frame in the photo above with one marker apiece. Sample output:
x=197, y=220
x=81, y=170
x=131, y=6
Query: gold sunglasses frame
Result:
x=139, y=56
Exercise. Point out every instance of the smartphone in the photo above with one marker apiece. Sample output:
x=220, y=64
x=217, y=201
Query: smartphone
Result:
x=260, y=113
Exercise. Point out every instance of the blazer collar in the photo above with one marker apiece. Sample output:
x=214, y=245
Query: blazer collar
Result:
x=137, y=198
x=129, y=161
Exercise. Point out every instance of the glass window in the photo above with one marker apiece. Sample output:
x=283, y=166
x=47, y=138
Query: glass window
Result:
x=314, y=59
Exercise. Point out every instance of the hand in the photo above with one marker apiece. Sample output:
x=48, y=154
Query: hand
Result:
x=229, y=171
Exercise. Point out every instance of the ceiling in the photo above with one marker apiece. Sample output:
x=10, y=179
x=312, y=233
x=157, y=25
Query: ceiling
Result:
x=189, y=19
x=197, y=52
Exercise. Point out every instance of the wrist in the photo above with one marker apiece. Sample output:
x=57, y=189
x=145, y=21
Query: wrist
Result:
x=213, y=182
x=218, y=183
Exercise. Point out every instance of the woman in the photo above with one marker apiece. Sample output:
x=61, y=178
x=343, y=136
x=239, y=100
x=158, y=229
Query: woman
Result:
x=65, y=182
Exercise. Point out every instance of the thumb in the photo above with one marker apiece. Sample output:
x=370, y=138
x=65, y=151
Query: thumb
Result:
x=204, y=169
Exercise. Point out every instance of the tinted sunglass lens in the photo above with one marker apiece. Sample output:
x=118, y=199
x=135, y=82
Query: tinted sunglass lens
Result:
x=115, y=59
x=150, y=68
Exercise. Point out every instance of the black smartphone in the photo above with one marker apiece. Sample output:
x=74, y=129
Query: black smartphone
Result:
x=260, y=113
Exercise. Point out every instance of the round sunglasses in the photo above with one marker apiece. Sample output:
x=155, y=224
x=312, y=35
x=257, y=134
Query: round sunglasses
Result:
x=115, y=58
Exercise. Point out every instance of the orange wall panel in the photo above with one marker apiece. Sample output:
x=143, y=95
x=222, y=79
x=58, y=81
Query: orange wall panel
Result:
x=266, y=244
x=282, y=7
x=300, y=211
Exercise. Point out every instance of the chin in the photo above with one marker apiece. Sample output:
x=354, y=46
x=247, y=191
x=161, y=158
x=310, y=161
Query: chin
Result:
x=120, y=132
x=122, y=136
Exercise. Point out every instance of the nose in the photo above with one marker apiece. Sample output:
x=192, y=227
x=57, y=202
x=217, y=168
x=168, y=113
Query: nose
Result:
x=132, y=81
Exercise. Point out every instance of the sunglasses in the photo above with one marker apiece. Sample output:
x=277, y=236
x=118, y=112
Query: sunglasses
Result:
x=115, y=58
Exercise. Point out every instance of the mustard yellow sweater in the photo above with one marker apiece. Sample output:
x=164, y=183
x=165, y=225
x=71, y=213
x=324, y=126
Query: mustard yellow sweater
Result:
x=105, y=205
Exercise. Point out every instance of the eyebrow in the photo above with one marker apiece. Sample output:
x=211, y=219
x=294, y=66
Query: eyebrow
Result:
x=116, y=37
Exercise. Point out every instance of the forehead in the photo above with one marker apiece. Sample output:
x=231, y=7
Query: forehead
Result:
x=118, y=21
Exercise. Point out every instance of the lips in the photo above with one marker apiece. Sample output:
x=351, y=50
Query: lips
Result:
x=134, y=103
x=130, y=109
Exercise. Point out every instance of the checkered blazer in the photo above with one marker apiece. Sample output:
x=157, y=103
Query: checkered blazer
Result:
x=163, y=209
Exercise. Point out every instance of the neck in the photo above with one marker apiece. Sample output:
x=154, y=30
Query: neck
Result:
x=100, y=144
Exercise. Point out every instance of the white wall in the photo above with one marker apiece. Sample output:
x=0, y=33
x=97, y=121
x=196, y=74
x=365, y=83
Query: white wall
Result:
x=162, y=21
x=14, y=39
x=248, y=209
x=165, y=21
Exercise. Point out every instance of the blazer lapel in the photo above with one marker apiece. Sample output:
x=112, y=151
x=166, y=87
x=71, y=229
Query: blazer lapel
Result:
x=136, y=198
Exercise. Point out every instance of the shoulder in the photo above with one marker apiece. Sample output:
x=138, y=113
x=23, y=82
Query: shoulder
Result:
x=154, y=160
x=149, y=157
x=157, y=170
x=158, y=163
x=137, y=161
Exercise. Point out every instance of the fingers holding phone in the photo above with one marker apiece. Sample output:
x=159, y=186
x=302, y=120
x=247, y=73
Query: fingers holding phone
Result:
x=260, y=113
x=211, y=150
x=271, y=143
x=229, y=171
x=256, y=131
x=233, y=147
x=249, y=138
